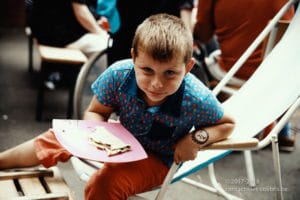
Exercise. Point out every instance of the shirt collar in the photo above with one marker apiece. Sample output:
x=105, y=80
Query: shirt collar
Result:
x=129, y=86
x=173, y=104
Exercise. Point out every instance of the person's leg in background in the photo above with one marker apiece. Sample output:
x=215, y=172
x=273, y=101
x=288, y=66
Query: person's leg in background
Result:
x=89, y=44
x=212, y=45
x=287, y=138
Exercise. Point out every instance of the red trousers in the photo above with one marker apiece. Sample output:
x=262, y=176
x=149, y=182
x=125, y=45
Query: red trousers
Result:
x=114, y=181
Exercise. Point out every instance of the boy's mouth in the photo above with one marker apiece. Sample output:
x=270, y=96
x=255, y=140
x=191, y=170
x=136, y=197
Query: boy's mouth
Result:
x=154, y=93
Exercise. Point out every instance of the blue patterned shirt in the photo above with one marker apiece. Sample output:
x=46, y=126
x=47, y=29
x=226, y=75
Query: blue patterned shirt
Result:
x=157, y=128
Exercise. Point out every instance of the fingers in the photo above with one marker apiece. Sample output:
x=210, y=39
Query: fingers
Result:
x=178, y=158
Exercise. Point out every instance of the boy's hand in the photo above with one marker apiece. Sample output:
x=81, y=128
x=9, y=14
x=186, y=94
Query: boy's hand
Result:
x=186, y=149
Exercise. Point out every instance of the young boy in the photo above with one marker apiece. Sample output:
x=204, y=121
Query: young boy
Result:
x=158, y=101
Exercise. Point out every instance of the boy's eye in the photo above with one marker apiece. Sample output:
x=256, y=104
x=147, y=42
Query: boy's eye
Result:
x=147, y=70
x=170, y=73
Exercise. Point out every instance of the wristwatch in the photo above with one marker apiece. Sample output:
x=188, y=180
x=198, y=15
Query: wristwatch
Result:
x=200, y=136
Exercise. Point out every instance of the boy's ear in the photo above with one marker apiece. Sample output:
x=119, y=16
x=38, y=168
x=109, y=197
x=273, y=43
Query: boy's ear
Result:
x=132, y=54
x=189, y=65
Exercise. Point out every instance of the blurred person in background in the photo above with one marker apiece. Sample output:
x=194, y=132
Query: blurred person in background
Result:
x=236, y=24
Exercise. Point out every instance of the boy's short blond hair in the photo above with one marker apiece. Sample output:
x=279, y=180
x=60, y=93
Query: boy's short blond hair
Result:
x=163, y=37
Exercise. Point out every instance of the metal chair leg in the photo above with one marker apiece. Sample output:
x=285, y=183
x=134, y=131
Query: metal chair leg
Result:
x=276, y=160
x=249, y=168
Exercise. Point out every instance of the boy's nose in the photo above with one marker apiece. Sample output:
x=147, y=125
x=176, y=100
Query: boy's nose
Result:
x=157, y=83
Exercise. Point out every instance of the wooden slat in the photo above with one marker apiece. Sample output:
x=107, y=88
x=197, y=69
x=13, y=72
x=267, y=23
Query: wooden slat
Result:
x=35, y=184
x=8, y=189
x=57, y=184
x=63, y=55
x=31, y=186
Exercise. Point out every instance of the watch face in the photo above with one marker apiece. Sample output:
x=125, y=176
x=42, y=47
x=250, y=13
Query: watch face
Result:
x=200, y=136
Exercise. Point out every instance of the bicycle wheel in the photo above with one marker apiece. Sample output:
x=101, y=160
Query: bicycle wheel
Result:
x=96, y=65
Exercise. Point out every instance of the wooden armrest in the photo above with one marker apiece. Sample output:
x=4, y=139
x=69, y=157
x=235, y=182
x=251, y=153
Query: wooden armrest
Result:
x=64, y=55
x=233, y=143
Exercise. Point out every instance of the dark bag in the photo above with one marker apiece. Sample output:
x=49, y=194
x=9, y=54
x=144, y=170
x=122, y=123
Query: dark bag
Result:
x=200, y=68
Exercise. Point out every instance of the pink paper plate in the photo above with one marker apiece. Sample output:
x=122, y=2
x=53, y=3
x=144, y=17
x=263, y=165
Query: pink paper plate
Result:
x=73, y=135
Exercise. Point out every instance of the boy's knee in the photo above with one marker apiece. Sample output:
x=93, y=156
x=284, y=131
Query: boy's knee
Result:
x=106, y=186
x=49, y=151
x=122, y=180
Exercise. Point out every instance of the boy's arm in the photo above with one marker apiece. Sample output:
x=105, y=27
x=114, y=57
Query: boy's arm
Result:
x=97, y=111
x=187, y=149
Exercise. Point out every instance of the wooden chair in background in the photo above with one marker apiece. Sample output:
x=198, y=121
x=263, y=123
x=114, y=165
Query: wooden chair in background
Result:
x=66, y=60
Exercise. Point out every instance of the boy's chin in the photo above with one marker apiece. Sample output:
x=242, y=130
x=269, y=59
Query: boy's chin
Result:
x=155, y=101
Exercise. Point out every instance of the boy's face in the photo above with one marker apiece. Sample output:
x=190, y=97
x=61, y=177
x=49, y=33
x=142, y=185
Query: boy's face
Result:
x=157, y=80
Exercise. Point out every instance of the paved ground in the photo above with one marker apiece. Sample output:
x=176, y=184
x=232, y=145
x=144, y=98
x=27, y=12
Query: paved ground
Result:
x=17, y=124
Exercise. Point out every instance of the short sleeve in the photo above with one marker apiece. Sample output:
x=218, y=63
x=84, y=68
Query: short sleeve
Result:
x=211, y=110
x=104, y=88
x=200, y=104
